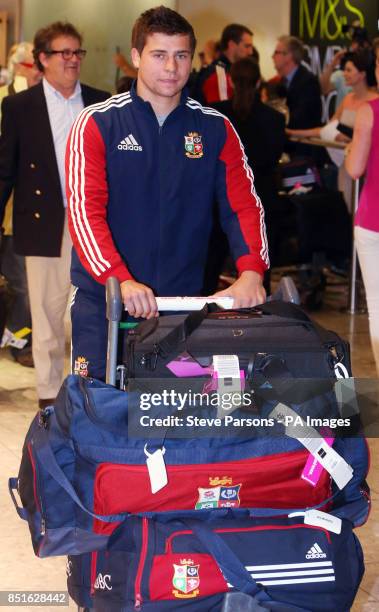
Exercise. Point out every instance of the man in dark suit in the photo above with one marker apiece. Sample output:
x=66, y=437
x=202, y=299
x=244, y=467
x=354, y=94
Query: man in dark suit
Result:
x=303, y=88
x=35, y=127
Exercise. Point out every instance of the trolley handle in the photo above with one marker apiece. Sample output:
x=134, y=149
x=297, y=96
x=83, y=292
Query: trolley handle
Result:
x=286, y=291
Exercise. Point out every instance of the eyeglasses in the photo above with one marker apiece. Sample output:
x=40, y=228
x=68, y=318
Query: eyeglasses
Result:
x=68, y=53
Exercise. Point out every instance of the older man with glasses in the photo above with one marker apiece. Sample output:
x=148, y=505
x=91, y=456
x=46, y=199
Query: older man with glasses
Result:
x=35, y=127
x=303, y=88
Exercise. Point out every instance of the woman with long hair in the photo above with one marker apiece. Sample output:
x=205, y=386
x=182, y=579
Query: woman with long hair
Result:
x=363, y=157
x=261, y=130
x=359, y=74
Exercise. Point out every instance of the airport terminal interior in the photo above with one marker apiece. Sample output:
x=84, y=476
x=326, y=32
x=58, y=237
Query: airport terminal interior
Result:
x=309, y=236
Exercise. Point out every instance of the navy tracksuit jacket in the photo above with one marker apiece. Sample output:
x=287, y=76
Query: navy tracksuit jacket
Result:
x=140, y=205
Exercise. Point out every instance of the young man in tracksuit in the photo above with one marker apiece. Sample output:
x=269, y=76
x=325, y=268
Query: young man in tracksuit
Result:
x=143, y=171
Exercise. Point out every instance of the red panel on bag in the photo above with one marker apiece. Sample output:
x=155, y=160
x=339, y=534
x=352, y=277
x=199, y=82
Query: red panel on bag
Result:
x=272, y=481
x=185, y=577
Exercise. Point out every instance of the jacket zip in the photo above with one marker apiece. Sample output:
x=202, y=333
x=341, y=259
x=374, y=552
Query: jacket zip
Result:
x=141, y=563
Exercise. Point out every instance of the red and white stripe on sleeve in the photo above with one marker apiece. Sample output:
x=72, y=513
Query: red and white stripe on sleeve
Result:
x=87, y=197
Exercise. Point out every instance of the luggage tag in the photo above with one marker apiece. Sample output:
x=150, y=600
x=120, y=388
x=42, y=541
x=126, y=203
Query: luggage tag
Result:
x=156, y=468
x=346, y=395
x=317, y=518
x=185, y=366
x=313, y=469
x=227, y=370
x=331, y=461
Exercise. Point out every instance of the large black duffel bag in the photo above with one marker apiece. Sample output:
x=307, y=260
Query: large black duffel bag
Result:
x=304, y=348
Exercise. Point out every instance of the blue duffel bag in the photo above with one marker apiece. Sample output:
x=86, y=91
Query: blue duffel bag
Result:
x=81, y=474
x=279, y=563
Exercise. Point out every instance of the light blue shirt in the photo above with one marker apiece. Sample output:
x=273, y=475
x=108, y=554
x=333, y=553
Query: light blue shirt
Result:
x=62, y=114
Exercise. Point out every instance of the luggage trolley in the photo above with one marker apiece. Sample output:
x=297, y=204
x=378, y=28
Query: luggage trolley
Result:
x=116, y=374
x=286, y=291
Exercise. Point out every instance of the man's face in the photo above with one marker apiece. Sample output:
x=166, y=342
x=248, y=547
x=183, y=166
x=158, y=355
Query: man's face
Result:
x=281, y=58
x=242, y=49
x=163, y=66
x=61, y=73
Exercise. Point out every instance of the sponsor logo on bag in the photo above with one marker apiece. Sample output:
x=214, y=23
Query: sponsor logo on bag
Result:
x=81, y=366
x=193, y=145
x=103, y=582
x=219, y=497
x=186, y=579
x=315, y=552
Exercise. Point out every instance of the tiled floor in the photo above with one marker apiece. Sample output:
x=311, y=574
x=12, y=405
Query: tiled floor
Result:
x=20, y=569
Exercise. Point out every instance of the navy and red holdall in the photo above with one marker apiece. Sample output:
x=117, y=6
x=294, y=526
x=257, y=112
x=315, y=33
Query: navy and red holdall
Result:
x=186, y=563
x=81, y=474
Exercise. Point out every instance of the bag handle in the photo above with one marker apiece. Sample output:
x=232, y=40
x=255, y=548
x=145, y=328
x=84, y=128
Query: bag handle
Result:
x=181, y=332
x=234, y=571
x=46, y=455
x=13, y=486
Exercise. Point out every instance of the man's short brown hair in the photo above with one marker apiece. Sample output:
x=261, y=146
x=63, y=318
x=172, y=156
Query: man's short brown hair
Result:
x=234, y=32
x=45, y=36
x=160, y=20
x=294, y=46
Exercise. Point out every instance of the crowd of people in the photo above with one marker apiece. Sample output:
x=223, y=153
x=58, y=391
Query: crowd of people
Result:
x=189, y=139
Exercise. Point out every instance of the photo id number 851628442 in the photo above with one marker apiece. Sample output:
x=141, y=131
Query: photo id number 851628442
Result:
x=34, y=598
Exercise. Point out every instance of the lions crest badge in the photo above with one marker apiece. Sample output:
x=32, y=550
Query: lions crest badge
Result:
x=81, y=366
x=218, y=497
x=193, y=145
x=186, y=579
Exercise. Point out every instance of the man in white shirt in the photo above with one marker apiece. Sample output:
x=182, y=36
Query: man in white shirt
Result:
x=35, y=127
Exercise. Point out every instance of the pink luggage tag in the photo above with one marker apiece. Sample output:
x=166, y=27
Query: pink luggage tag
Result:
x=313, y=469
x=186, y=367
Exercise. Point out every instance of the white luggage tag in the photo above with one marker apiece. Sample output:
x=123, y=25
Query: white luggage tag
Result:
x=156, y=468
x=331, y=461
x=346, y=395
x=227, y=370
x=317, y=518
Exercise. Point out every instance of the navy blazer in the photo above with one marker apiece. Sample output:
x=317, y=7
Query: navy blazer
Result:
x=28, y=165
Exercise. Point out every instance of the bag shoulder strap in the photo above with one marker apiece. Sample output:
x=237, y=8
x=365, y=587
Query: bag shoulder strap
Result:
x=46, y=455
x=233, y=570
x=292, y=311
x=181, y=332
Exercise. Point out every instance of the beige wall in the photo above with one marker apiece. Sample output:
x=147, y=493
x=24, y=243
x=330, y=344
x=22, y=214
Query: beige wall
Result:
x=105, y=24
x=268, y=19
